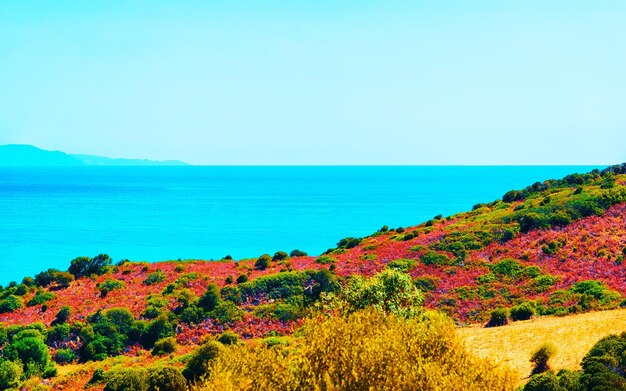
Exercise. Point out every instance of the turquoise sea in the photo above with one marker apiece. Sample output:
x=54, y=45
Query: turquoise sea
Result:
x=50, y=215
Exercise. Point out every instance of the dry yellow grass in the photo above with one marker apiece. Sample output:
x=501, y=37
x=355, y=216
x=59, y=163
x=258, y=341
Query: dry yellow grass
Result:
x=573, y=336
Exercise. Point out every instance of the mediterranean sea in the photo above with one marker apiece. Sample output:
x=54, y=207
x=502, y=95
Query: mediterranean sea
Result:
x=50, y=215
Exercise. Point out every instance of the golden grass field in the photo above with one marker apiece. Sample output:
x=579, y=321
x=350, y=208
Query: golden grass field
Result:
x=573, y=336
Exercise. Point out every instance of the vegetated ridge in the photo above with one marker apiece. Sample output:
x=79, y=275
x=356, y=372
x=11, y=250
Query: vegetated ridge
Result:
x=29, y=156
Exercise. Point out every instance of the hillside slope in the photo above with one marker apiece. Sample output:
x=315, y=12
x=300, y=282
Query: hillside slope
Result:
x=553, y=248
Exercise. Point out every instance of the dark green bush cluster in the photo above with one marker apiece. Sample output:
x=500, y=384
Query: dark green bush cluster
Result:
x=50, y=276
x=155, y=277
x=164, y=346
x=11, y=303
x=40, y=298
x=499, y=317
x=198, y=364
x=435, y=258
x=349, y=242
x=109, y=285
x=263, y=262
x=523, y=311
x=325, y=260
x=297, y=253
x=279, y=256
x=85, y=266
x=587, y=295
x=460, y=243
x=402, y=264
x=288, y=286
x=108, y=332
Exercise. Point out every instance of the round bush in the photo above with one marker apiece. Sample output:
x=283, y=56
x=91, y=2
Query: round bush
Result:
x=523, y=311
x=127, y=379
x=166, y=379
x=164, y=346
x=263, y=262
x=65, y=356
x=228, y=338
x=499, y=317
x=198, y=364
x=279, y=256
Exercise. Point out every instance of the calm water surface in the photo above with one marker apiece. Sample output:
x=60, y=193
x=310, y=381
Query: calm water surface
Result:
x=50, y=215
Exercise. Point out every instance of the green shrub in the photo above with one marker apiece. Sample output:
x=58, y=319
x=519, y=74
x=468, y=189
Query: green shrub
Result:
x=226, y=312
x=65, y=356
x=109, y=285
x=192, y=315
x=228, y=338
x=507, y=268
x=348, y=242
x=279, y=256
x=164, y=346
x=155, y=278
x=325, y=260
x=10, y=374
x=523, y=311
x=541, y=357
x=28, y=346
x=499, y=317
x=58, y=333
x=85, y=266
x=263, y=262
x=426, y=283
x=434, y=258
x=126, y=379
x=63, y=315
x=297, y=253
x=242, y=278
x=229, y=279
x=403, y=265
x=11, y=303
x=40, y=298
x=198, y=364
x=210, y=298
x=166, y=379
x=546, y=381
x=604, y=366
x=157, y=329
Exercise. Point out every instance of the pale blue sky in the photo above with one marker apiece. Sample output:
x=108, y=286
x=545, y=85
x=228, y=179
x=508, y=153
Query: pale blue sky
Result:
x=318, y=82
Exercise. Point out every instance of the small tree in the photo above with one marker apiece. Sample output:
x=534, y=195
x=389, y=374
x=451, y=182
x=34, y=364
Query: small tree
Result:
x=63, y=315
x=297, y=253
x=499, y=317
x=164, y=346
x=211, y=298
x=263, y=262
x=541, y=357
x=279, y=256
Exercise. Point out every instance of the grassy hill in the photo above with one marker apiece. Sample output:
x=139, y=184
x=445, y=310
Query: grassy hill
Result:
x=573, y=336
x=553, y=248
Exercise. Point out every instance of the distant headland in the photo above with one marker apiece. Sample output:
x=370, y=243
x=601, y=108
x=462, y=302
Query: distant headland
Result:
x=29, y=155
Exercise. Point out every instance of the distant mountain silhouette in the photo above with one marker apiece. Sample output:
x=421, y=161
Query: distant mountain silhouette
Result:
x=28, y=155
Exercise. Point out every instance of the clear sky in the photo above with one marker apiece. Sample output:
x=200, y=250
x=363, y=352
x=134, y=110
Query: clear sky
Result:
x=318, y=82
